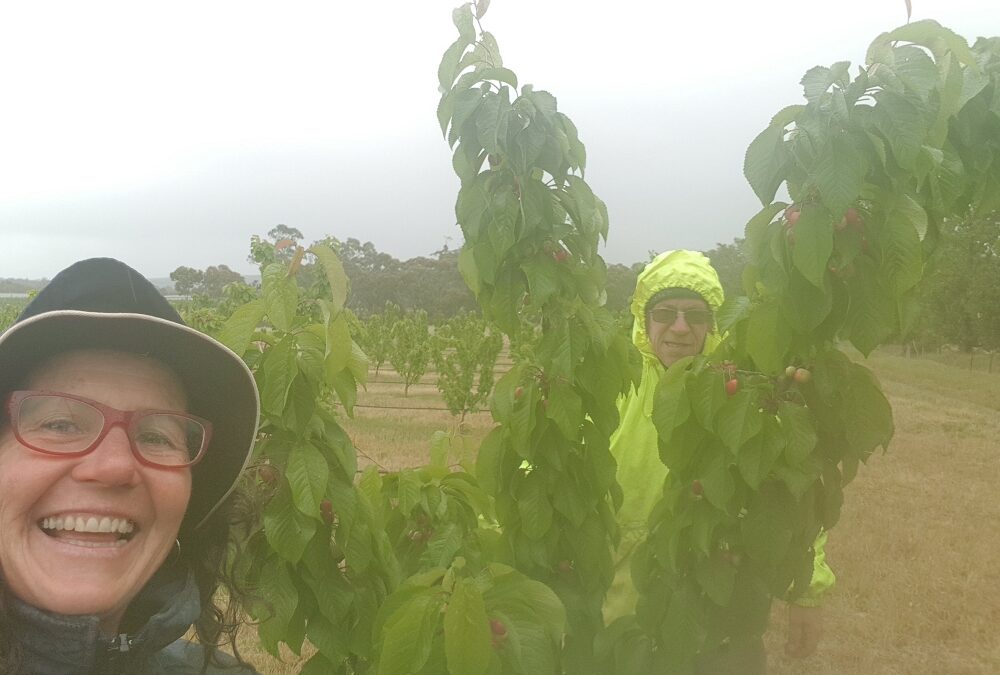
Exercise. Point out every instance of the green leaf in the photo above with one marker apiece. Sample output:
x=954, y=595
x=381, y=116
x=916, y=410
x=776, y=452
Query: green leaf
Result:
x=445, y=110
x=707, y=395
x=239, y=328
x=906, y=223
x=346, y=388
x=555, y=348
x=867, y=413
x=935, y=37
x=281, y=296
x=300, y=405
x=903, y=124
x=504, y=75
x=682, y=632
x=466, y=631
x=534, y=506
x=916, y=69
x=542, y=280
x=813, y=244
x=516, y=595
x=279, y=369
x=767, y=527
x=468, y=270
x=797, y=423
x=717, y=577
x=838, y=175
x=565, y=408
x=758, y=454
x=768, y=338
x=307, y=474
x=733, y=310
x=718, y=482
x=288, y=531
x=869, y=320
x=818, y=79
x=462, y=18
x=765, y=163
x=488, y=461
x=335, y=275
x=448, y=69
x=408, y=634
x=328, y=639
x=493, y=120
x=282, y=598
x=481, y=7
x=409, y=490
x=671, y=406
x=339, y=346
x=738, y=420
x=787, y=115
x=357, y=363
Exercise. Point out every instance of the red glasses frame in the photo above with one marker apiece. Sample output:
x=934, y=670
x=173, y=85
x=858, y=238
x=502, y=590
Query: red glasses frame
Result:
x=112, y=417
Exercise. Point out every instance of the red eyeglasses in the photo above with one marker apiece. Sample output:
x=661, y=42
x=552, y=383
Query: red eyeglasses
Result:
x=64, y=425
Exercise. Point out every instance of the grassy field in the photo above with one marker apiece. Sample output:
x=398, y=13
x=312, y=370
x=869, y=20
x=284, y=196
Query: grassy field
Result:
x=917, y=551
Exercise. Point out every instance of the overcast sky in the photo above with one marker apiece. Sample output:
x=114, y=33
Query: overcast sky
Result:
x=166, y=134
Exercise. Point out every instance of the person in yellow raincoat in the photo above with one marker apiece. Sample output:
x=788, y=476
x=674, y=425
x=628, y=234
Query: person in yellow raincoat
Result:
x=673, y=305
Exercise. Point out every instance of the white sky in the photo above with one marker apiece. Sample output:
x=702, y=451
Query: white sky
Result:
x=165, y=134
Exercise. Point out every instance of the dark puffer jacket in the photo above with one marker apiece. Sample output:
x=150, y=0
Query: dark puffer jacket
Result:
x=54, y=644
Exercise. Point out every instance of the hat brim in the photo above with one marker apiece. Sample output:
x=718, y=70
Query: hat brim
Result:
x=218, y=383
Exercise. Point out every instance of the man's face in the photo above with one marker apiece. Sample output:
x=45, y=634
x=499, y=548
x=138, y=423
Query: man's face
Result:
x=677, y=328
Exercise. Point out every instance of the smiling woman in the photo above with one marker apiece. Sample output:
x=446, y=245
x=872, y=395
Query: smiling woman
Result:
x=118, y=458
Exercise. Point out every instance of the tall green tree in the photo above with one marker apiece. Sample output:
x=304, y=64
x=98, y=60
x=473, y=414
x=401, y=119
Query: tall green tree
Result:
x=961, y=298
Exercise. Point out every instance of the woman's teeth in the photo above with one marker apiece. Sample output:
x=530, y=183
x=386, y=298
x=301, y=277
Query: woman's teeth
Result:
x=88, y=524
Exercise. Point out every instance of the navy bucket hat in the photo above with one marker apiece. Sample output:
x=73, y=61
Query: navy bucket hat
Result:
x=102, y=303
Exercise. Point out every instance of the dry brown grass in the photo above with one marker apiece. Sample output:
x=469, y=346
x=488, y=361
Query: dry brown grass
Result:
x=918, y=547
x=917, y=551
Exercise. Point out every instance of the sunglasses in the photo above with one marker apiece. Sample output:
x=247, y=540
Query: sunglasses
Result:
x=64, y=425
x=668, y=315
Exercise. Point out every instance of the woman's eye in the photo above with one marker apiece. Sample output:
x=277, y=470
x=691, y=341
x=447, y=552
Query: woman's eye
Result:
x=148, y=438
x=60, y=425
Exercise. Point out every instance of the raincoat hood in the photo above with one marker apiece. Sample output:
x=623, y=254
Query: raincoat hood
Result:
x=674, y=269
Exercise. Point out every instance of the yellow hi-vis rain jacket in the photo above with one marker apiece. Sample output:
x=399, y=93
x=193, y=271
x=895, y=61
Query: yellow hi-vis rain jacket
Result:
x=634, y=444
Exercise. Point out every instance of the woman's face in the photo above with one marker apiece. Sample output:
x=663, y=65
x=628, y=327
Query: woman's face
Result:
x=72, y=572
x=680, y=338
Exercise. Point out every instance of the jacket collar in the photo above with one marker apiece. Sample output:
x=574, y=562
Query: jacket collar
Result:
x=56, y=643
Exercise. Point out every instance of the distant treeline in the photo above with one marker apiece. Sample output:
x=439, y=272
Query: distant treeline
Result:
x=959, y=298
x=21, y=285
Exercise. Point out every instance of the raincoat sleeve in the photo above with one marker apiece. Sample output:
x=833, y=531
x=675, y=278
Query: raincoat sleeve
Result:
x=823, y=577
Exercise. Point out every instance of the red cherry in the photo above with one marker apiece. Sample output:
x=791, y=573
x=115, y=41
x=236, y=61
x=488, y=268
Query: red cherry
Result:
x=268, y=474
x=497, y=628
x=519, y=392
x=326, y=511
x=696, y=488
x=792, y=214
x=561, y=255
x=802, y=375
x=732, y=386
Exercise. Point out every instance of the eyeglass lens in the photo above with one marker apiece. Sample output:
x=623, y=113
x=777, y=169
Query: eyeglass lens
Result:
x=64, y=425
x=668, y=315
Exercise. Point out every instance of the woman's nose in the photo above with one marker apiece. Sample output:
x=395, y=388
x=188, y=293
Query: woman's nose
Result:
x=111, y=462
